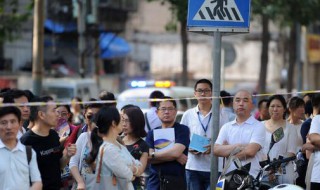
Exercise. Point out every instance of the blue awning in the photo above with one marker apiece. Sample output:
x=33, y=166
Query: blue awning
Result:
x=59, y=27
x=113, y=46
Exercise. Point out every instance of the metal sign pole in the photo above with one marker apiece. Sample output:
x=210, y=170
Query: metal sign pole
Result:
x=215, y=105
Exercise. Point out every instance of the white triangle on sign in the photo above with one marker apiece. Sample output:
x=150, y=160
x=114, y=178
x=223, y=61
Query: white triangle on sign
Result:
x=219, y=10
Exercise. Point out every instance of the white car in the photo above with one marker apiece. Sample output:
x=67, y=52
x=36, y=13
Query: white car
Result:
x=184, y=97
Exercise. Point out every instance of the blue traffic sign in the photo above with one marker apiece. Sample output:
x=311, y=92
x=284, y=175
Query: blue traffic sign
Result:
x=218, y=15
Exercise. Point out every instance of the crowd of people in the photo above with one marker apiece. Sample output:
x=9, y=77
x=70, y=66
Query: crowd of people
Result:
x=53, y=145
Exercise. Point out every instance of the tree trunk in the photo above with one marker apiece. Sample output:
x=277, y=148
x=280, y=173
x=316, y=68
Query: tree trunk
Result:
x=184, y=43
x=292, y=59
x=264, y=54
x=1, y=50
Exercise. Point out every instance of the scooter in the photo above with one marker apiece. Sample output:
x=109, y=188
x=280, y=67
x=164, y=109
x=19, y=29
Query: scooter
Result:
x=240, y=179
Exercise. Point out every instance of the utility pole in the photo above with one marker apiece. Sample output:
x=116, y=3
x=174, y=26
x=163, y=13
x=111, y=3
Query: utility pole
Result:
x=81, y=36
x=37, y=48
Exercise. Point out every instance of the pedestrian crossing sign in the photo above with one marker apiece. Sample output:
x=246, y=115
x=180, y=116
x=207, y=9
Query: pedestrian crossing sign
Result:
x=219, y=15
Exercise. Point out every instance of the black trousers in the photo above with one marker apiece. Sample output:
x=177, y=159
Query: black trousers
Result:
x=315, y=186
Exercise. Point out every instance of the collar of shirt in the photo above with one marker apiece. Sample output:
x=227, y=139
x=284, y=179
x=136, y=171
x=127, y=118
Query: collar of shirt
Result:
x=19, y=146
x=249, y=121
x=198, y=110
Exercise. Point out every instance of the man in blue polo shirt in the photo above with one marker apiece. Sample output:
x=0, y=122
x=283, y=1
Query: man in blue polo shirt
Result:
x=168, y=166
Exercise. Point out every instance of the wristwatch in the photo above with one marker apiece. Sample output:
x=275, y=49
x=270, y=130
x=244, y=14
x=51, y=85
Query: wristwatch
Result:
x=153, y=155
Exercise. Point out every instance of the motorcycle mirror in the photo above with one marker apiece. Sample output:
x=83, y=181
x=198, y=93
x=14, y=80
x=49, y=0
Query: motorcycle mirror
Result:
x=276, y=136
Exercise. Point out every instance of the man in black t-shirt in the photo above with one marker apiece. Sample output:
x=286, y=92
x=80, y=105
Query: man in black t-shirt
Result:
x=50, y=154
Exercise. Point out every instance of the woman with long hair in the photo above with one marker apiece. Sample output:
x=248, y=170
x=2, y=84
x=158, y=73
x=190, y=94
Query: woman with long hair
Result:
x=133, y=123
x=78, y=166
x=116, y=159
x=286, y=147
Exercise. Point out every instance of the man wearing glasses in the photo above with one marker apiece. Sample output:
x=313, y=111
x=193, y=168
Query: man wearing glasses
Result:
x=199, y=121
x=167, y=165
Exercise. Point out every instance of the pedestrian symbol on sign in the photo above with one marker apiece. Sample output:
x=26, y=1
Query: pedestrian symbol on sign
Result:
x=219, y=10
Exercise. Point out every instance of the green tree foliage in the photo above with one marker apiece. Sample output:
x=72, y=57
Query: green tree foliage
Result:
x=12, y=16
x=286, y=13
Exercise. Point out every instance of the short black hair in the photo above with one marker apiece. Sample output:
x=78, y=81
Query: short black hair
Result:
x=308, y=108
x=29, y=94
x=92, y=105
x=203, y=81
x=137, y=121
x=167, y=98
x=12, y=94
x=105, y=95
x=155, y=95
x=316, y=101
x=295, y=102
x=10, y=110
x=310, y=95
x=261, y=102
x=36, y=108
x=226, y=97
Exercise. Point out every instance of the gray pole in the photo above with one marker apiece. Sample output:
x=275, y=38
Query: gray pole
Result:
x=81, y=37
x=298, y=58
x=215, y=106
x=37, y=49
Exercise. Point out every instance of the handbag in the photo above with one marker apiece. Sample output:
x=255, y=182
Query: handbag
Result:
x=101, y=182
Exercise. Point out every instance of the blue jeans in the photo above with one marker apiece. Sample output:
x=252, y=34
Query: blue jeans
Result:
x=197, y=180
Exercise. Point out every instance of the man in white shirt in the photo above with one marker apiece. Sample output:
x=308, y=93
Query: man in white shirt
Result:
x=245, y=132
x=199, y=121
x=314, y=137
x=19, y=97
x=151, y=116
x=15, y=171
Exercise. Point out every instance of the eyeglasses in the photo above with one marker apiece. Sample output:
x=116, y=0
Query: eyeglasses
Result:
x=200, y=91
x=125, y=120
x=163, y=109
x=62, y=114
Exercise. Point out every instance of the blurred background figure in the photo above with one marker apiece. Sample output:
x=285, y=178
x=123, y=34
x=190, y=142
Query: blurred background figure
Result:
x=296, y=117
x=307, y=97
x=226, y=106
x=308, y=110
x=152, y=119
x=263, y=112
x=105, y=95
x=76, y=109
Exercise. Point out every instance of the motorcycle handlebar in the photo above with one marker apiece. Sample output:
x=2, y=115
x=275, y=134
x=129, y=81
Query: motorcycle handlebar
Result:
x=280, y=161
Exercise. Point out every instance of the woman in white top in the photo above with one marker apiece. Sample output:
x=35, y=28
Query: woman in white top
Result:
x=78, y=166
x=285, y=147
x=296, y=117
x=313, y=175
x=116, y=158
